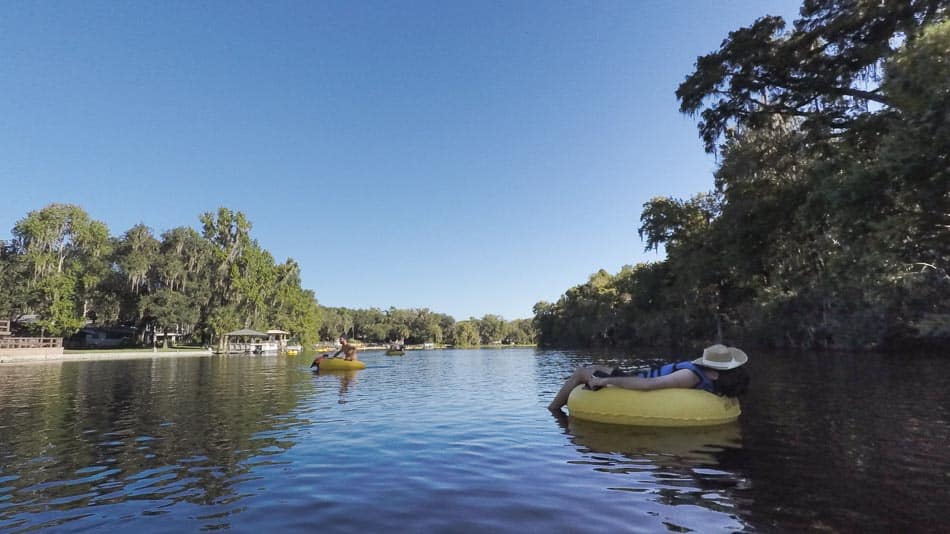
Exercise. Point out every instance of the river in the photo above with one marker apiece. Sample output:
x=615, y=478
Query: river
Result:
x=461, y=441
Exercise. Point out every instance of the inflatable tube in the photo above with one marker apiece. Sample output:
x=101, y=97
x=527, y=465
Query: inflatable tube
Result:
x=659, y=407
x=339, y=364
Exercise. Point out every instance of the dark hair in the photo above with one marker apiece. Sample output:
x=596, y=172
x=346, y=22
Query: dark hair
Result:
x=732, y=383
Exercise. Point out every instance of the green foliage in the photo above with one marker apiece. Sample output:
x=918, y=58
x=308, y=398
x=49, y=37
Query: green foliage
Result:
x=417, y=326
x=64, y=267
x=58, y=294
x=829, y=225
x=168, y=310
x=824, y=71
x=519, y=332
x=14, y=293
x=491, y=329
x=136, y=254
x=58, y=258
x=467, y=334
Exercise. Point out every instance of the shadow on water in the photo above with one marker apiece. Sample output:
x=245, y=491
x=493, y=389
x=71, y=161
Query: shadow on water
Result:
x=850, y=441
x=829, y=441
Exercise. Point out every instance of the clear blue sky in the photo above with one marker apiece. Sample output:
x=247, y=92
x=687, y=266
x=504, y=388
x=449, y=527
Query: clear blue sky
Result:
x=470, y=157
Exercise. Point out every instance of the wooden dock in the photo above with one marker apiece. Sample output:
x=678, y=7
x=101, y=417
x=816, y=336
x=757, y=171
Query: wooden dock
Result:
x=30, y=347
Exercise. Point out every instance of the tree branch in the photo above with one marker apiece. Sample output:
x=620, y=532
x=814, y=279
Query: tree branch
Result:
x=866, y=95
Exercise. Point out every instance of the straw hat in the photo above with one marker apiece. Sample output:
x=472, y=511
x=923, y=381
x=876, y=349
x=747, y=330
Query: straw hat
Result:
x=721, y=357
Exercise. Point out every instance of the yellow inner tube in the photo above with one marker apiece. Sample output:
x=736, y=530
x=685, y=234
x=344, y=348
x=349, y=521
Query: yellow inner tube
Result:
x=339, y=364
x=659, y=407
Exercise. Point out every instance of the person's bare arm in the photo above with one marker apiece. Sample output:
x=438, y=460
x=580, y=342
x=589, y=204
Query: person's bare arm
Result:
x=684, y=378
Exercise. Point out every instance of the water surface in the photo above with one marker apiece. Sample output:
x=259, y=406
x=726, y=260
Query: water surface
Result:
x=457, y=441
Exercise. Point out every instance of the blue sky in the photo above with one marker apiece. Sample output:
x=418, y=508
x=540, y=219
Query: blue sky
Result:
x=469, y=157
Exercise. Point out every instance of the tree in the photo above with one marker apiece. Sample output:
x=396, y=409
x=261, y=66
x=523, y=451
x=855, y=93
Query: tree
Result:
x=295, y=309
x=169, y=310
x=672, y=222
x=229, y=235
x=825, y=71
x=491, y=328
x=914, y=154
x=829, y=219
x=519, y=331
x=13, y=283
x=137, y=253
x=184, y=255
x=64, y=251
x=253, y=280
x=466, y=334
x=545, y=322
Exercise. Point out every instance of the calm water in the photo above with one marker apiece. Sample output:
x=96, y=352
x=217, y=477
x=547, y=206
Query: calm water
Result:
x=459, y=441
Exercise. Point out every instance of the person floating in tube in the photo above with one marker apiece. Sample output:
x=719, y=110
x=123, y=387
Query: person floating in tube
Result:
x=348, y=349
x=719, y=371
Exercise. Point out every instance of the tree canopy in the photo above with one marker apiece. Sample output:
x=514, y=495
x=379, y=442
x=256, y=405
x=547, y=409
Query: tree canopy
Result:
x=417, y=326
x=829, y=221
x=64, y=268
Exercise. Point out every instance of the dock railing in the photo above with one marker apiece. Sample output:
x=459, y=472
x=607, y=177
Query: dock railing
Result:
x=4, y=328
x=31, y=342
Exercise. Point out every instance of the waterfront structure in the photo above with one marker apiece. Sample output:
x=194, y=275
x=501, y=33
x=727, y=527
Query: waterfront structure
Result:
x=38, y=347
x=247, y=341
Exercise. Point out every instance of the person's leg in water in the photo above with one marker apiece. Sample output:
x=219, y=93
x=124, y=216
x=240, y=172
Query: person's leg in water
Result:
x=581, y=376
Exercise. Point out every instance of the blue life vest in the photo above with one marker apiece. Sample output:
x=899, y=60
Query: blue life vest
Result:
x=704, y=382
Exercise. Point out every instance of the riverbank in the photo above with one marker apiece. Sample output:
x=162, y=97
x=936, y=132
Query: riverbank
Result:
x=370, y=348
x=85, y=355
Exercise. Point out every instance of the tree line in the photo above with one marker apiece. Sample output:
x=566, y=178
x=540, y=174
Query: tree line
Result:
x=828, y=225
x=417, y=326
x=63, y=270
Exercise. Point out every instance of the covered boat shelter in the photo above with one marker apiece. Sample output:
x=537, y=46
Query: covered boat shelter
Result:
x=248, y=341
x=279, y=337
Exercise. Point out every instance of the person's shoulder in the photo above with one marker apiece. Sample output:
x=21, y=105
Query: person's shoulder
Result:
x=681, y=378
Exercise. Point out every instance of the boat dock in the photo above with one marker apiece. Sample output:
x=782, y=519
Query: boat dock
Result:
x=28, y=348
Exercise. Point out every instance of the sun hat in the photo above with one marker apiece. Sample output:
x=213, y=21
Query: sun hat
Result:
x=721, y=357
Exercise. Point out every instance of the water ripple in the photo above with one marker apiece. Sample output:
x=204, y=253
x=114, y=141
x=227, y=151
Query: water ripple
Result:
x=443, y=441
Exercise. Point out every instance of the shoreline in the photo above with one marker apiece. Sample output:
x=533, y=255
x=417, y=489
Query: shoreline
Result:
x=93, y=355
x=7, y=359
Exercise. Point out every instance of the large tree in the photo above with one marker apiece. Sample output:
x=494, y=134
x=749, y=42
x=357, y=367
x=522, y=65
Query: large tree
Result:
x=825, y=71
x=829, y=224
x=65, y=253
x=169, y=311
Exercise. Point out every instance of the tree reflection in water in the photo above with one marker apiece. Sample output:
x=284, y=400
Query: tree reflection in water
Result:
x=164, y=431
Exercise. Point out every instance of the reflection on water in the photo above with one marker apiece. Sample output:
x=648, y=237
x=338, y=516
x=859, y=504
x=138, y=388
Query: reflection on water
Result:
x=163, y=432
x=670, y=466
x=695, y=445
x=346, y=378
x=458, y=441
